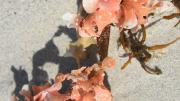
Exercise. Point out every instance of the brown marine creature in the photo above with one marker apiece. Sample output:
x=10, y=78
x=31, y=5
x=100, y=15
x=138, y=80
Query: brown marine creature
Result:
x=134, y=47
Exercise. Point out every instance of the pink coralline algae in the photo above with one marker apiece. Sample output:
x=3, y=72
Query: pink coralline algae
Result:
x=126, y=14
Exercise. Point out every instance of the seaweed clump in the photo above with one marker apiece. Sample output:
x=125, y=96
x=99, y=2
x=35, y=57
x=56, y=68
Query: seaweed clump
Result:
x=84, y=84
x=134, y=46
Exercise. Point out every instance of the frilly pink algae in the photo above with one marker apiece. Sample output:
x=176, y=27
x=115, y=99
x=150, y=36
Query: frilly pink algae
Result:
x=87, y=85
x=126, y=14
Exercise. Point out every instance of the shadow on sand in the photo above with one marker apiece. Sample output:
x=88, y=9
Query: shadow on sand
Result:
x=50, y=53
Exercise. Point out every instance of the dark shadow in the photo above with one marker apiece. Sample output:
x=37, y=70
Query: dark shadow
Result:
x=47, y=54
x=67, y=64
x=106, y=82
x=20, y=78
x=91, y=56
x=66, y=86
x=79, y=4
x=50, y=53
x=80, y=9
x=70, y=32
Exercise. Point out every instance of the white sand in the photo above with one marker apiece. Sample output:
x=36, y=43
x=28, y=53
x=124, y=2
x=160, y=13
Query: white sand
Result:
x=27, y=25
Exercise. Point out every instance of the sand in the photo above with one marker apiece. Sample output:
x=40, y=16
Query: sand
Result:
x=33, y=34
